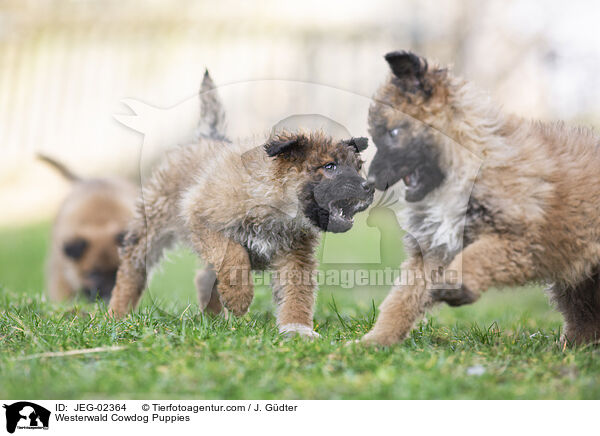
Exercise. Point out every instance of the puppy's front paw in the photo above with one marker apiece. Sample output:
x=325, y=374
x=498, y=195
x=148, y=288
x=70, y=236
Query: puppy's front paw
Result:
x=116, y=311
x=454, y=297
x=239, y=307
x=302, y=330
x=374, y=339
x=113, y=314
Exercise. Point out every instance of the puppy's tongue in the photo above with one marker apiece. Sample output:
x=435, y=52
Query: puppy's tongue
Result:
x=411, y=180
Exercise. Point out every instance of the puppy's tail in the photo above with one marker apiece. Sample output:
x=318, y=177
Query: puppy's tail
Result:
x=212, y=123
x=66, y=173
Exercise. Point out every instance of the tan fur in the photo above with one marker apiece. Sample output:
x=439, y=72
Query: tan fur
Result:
x=97, y=211
x=540, y=185
x=239, y=210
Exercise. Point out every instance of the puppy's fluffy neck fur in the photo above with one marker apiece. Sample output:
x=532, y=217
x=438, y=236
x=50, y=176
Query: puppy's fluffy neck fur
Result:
x=267, y=216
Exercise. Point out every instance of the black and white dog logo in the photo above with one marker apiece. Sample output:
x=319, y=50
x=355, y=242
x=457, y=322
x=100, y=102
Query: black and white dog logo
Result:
x=26, y=415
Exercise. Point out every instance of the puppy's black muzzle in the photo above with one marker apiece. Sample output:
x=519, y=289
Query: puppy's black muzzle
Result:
x=416, y=164
x=341, y=198
x=349, y=184
x=386, y=169
x=100, y=284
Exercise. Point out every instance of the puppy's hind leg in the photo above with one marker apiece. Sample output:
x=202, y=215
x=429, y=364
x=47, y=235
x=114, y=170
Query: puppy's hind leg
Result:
x=131, y=275
x=580, y=306
x=143, y=247
x=206, y=285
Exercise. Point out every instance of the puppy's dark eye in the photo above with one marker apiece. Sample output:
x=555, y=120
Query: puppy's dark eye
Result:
x=331, y=166
x=75, y=248
x=120, y=238
x=394, y=132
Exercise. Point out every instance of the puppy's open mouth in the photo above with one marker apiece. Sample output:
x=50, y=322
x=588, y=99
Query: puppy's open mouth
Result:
x=341, y=213
x=412, y=180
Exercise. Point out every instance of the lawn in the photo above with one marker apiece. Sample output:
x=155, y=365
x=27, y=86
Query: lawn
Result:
x=503, y=347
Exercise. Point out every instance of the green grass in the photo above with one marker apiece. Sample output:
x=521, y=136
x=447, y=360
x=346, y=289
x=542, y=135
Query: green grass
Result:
x=169, y=350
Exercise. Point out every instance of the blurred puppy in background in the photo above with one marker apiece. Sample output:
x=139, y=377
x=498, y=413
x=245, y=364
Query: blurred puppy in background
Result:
x=86, y=235
x=91, y=222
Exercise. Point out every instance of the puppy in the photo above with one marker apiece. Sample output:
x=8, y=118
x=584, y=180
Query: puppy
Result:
x=86, y=234
x=243, y=210
x=92, y=220
x=491, y=199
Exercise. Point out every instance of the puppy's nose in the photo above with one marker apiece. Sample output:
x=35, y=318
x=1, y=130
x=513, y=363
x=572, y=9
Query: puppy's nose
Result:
x=368, y=185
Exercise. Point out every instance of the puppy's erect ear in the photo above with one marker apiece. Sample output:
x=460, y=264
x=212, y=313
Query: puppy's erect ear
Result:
x=275, y=146
x=75, y=248
x=405, y=64
x=359, y=144
x=410, y=70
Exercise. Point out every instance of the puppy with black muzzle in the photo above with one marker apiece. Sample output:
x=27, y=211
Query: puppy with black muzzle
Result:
x=491, y=199
x=244, y=209
x=86, y=234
